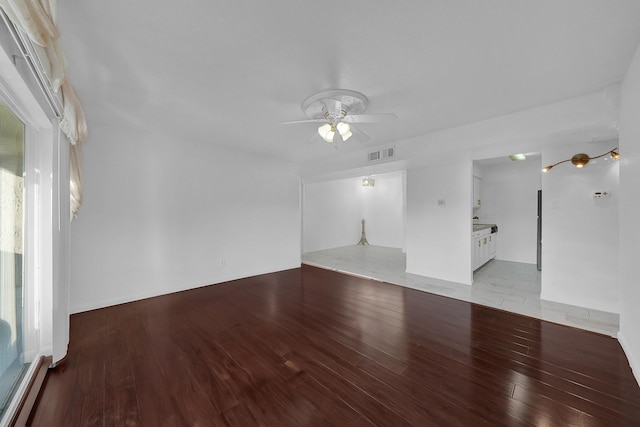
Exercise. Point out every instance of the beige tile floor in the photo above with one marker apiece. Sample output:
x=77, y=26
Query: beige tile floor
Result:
x=505, y=285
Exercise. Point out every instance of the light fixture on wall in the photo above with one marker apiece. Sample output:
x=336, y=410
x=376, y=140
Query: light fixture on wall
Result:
x=368, y=182
x=580, y=160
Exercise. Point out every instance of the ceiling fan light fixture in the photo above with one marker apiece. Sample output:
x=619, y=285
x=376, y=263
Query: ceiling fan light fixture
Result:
x=327, y=131
x=337, y=109
x=345, y=130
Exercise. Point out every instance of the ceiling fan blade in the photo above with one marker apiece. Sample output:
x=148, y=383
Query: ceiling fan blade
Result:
x=293, y=122
x=360, y=136
x=313, y=138
x=333, y=106
x=370, y=118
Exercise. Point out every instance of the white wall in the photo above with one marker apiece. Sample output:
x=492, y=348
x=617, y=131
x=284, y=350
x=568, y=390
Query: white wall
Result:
x=160, y=216
x=629, y=214
x=333, y=211
x=384, y=210
x=580, y=233
x=439, y=237
x=510, y=195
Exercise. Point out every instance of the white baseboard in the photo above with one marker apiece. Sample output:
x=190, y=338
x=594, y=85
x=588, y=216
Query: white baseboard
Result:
x=634, y=362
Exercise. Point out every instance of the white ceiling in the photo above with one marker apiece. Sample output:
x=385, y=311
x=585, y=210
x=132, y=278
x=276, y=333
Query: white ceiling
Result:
x=227, y=73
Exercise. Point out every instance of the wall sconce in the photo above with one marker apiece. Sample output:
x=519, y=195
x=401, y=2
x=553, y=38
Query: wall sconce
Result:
x=368, y=182
x=581, y=159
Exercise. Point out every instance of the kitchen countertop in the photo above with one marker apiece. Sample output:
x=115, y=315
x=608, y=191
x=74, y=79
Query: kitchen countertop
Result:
x=478, y=227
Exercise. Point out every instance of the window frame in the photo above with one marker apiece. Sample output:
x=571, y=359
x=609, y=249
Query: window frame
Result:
x=38, y=214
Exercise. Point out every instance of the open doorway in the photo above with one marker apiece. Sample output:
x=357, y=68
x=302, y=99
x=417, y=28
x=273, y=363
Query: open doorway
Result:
x=509, y=199
x=332, y=215
x=507, y=202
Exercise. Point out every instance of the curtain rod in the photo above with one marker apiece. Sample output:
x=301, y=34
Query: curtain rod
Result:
x=32, y=59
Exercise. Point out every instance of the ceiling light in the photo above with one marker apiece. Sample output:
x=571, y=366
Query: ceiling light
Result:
x=515, y=157
x=580, y=160
x=368, y=182
x=327, y=131
x=345, y=130
x=614, y=154
x=338, y=109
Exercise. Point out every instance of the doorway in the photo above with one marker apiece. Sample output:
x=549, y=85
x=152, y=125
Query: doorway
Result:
x=509, y=199
x=333, y=211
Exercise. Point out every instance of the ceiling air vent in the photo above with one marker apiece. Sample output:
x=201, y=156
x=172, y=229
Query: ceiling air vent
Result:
x=384, y=154
x=372, y=157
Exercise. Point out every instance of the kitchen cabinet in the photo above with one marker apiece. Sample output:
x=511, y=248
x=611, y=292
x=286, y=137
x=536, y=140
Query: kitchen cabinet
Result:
x=477, y=192
x=484, y=245
x=493, y=239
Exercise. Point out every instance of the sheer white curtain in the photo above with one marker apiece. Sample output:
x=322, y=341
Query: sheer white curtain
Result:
x=37, y=19
x=75, y=190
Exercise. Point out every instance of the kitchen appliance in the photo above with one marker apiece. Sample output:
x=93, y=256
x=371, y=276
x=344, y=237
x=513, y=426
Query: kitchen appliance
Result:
x=539, y=237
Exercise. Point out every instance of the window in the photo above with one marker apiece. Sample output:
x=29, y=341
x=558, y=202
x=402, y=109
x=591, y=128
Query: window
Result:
x=12, y=198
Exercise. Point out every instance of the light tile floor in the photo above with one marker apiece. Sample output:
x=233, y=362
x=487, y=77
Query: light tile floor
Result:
x=506, y=285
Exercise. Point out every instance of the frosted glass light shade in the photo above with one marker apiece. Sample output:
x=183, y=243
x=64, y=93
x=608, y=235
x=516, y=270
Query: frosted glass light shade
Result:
x=345, y=130
x=326, y=131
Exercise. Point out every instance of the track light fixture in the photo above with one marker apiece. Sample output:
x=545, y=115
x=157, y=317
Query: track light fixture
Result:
x=580, y=160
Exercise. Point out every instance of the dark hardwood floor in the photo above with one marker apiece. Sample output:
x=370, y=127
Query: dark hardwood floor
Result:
x=311, y=347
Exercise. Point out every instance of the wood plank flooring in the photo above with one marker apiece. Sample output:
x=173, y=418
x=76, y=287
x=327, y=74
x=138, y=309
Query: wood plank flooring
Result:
x=311, y=347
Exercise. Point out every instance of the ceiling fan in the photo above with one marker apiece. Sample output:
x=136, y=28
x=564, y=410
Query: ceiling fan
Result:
x=337, y=110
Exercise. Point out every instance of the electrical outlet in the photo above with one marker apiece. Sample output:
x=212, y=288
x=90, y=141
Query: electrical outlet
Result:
x=223, y=262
